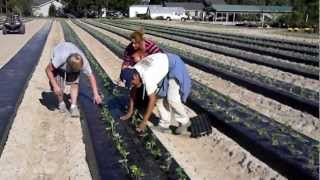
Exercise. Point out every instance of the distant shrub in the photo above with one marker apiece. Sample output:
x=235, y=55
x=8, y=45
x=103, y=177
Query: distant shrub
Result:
x=159, y=18
x=143, y=16
x=52, y=10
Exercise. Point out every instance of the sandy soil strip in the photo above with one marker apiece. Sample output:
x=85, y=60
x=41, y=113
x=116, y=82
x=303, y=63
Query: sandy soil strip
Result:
x=44, y=144
x=298, y=120
x=234, y=62
x=273, y=33
x=10, y=44
x=213, y=157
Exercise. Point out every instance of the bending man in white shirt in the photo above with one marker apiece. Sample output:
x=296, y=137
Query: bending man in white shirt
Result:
x=64, y=69
x=167, y=85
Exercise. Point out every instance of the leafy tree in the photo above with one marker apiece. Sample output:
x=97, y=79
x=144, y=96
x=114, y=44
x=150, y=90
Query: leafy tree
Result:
x=52, y=10
x=19, y=6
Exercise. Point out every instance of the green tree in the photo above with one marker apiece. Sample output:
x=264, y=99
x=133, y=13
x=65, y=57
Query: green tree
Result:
x=52, y=10
x=22, y=7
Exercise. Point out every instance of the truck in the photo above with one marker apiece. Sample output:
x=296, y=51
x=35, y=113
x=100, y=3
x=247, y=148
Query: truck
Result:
x=167, y=13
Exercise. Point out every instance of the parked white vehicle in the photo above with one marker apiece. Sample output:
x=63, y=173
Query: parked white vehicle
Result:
x=168, y=13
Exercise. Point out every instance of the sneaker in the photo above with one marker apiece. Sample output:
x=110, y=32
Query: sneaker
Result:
x=182, y=129
x=62, y=107
x=74, y=111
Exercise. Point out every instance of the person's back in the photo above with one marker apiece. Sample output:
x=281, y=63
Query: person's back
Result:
x=62, y=51
x=152, y=70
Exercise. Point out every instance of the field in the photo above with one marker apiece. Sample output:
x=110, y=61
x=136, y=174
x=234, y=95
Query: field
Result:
x=257, y=89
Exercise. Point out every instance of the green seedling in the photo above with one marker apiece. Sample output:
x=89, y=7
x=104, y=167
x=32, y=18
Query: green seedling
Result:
x=235, y=119
x=136, y=171
x=247, y=124
x=262, y=132
x=180, y=173
x=275, y=140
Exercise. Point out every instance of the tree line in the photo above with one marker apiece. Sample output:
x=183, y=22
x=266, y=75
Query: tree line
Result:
x=23, y=7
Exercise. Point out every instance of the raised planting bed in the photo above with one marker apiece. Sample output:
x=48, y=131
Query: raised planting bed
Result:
x=117, y=151
x=289, y=94
x=299, y=69
x=237, y=38
x=265, y=39
x=14, y=78
x=294, y=155
x=229, y=47
x=287, y=151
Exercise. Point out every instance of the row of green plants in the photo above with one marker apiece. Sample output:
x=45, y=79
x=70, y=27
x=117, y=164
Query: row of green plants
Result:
x=237, y=53
x=242, y=39
x=295, y=68
x=278, y=140
x=268, y=81
x=111, y=125
x=284, y=141
x=231, y=44
x=149, y=140
x=152, y=145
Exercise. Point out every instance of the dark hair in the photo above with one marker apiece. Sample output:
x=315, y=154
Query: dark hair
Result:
x=135, y=72
x=127, y=75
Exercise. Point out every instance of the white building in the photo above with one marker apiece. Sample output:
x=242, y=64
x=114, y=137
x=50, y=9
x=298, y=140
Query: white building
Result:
x=169, y=13
x=139, y=9
x=40, y=8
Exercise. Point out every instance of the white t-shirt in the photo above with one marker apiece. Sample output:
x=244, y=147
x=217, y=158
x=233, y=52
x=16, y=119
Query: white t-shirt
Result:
x=152, y=70
x=62, y=51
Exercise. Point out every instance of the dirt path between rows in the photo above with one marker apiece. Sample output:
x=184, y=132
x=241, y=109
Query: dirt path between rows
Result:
x=10, y=44
x=44, y=144
x=214, y=157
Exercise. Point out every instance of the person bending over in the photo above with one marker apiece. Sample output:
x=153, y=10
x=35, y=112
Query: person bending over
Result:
x=167, y=85
x=66, y=63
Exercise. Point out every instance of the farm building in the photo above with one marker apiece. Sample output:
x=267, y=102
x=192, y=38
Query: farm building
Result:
x=169, y=13
x=228, y=13
x=41, y=7
x=135, y=10
x=192, y=9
